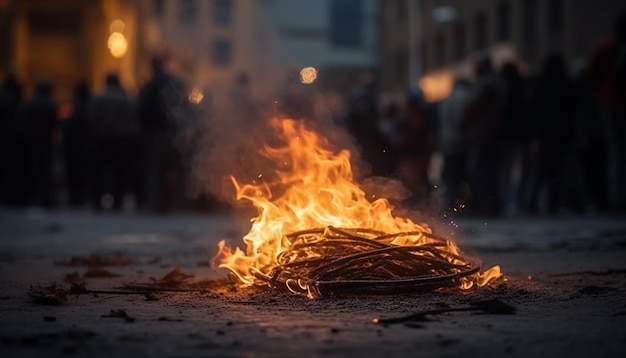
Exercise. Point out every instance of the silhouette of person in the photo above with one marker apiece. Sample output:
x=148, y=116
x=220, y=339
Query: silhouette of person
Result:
x=78, y=147
x=453, y=143
x=607, y=72
x=483, y=121
x=113, y=127
x=38, y=119
x=555, y=106
x=160, y=100
x=13, y=154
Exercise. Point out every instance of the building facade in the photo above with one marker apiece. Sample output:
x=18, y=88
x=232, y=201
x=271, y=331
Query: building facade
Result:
x=207, y=43
x=447, y=35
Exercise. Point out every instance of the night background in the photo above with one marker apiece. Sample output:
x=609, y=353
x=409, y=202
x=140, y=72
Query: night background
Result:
x=129, y=127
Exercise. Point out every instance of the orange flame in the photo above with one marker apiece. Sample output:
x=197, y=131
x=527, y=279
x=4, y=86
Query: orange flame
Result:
x=314, y=187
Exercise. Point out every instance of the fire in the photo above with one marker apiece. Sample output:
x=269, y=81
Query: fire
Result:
x=312, y=188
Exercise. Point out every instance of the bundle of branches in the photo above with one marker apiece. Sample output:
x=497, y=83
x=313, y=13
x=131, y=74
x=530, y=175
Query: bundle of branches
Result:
x=332, y=262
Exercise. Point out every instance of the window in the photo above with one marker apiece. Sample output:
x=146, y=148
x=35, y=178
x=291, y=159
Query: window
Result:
x=504, y=21
x=187, y=10
x=223, y=12
x=346, y=23
x=158, y=7
x=481, y=31
x=529, y=29
x=440, y=49
x=401, y=9
x=555, y=17
x=400, y=64
x=222, y=52
x=459, y=41
x=424, y=53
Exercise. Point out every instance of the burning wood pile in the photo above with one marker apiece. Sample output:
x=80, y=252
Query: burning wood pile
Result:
x=318, y=234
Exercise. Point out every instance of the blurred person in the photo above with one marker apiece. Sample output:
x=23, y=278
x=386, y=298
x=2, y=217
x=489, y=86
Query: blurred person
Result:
x=590, y=141
x=415, y=146
x=453, y=144
x=483, y=121
x=113, y=128
x=296, y=99
x=161, y=102
x=607, y=73
x=13, y=155
x=38, y=119
x=555, y=108
x=516, y=132
x=388, y=121
x=242, y=103
x=363, y=124
x=78, y=147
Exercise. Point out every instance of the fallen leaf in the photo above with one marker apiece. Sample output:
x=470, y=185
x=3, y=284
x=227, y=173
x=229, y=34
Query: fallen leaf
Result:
x=96, y=272
x=48, y=295
x=119, y=314
x=173, y=278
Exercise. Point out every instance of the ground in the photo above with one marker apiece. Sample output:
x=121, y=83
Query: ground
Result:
x=566, y=278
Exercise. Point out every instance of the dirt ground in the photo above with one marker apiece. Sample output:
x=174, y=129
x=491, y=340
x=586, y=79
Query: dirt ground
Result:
x=565, y=277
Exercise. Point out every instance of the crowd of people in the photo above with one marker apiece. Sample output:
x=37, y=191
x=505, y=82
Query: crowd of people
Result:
x=511, y=143
x=112, y=146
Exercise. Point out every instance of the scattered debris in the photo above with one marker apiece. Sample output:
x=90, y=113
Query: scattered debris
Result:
x=595, y=290
x=97, y=272
x=119, y=314
x=52, y=294
x=173, y=278
x=165, y=319
x=494, y=306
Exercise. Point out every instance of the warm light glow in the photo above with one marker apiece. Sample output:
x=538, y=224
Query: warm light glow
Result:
x=195, y=96
x=117, y=44
x=312, y=187
x=308, y=75
x=437, y=86
x=117, y=26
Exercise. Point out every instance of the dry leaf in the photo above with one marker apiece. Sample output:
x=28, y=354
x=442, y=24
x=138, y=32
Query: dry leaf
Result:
x=72, y=277
x=173, y=278
x=77, y=284
x=99, y=272
x=119, y=314
x=48, y=295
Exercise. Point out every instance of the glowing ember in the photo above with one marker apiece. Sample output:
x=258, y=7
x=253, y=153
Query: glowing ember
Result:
x=195, y=96
x=297, y=240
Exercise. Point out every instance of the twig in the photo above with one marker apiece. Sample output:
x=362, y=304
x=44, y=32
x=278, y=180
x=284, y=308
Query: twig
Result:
x=488, y=306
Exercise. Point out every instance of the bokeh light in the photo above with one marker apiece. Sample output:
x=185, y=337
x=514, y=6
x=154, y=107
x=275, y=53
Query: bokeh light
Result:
x=117, y=44
x=308, y=75
x=117, y=26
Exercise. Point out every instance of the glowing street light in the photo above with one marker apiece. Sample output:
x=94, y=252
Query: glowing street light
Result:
x=117, y=44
